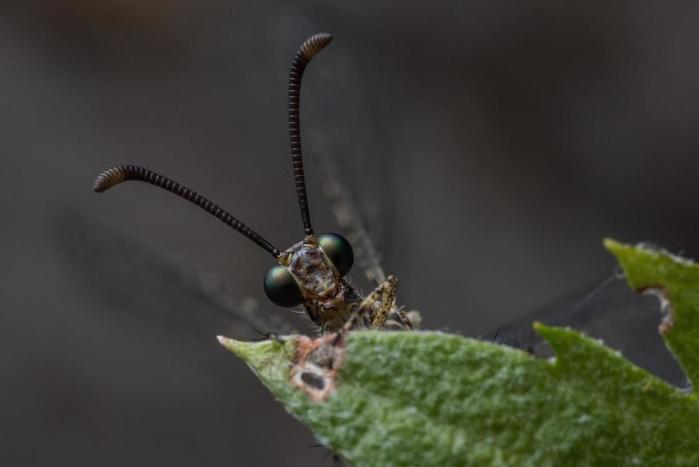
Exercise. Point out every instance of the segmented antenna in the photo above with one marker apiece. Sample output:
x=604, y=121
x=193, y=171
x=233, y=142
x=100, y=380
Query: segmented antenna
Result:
x=123, y=173
x=304, y=54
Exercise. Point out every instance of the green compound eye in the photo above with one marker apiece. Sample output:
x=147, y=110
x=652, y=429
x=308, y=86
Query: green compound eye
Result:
x=338, y=250
x=281, y=287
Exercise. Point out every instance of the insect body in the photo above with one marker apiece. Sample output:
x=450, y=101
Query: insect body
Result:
x=312, y=272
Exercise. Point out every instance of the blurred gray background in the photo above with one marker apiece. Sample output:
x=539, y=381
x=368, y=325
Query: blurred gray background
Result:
x=494, y=143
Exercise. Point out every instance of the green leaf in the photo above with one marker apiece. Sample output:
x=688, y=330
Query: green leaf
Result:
x=676, y=282
x=428, y=398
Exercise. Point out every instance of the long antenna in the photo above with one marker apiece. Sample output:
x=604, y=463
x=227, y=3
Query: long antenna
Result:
x=304, y=54
x=123, y=173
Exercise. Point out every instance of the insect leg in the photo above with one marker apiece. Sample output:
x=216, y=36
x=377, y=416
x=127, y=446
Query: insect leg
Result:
x=381, y=301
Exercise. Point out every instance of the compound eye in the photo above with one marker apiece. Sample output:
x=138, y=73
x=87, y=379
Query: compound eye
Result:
x=338, y=250
x=281, y=287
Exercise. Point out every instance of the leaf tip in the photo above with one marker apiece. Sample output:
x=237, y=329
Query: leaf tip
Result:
x=540, y=327
x=552, y=334
x=223, y=340
x=240, y=348
x=561, y=339
x=614, y=247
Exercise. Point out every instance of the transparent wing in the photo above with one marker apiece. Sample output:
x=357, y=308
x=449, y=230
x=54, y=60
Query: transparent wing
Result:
x=350, y=219
x=122, y=270
x=346, y=146
x=610, y=311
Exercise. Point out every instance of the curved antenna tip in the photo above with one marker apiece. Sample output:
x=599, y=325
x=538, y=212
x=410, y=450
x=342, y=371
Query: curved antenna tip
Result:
x=108, y=179
x=313, y=45
x=98, y=186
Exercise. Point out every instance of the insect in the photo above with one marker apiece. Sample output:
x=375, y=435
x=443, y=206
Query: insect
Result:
x=624, y=320
x=313, y=271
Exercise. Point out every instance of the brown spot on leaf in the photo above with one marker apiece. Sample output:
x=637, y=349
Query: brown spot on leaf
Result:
x=660, y=293
x=666, y=325
x=316, y=364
